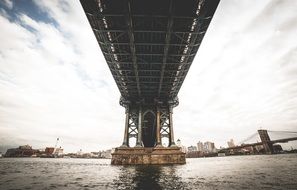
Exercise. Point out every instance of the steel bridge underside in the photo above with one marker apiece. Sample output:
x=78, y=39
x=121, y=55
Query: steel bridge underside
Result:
x=149, y=45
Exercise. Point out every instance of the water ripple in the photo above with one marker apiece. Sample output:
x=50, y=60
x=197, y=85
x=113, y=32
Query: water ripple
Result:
x=239, y=172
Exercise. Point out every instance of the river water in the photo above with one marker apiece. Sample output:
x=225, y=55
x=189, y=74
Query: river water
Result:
x=237, y=172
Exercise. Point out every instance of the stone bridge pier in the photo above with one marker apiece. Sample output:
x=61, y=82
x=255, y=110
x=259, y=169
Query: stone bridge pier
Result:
x=149, y=123
x=149, y=46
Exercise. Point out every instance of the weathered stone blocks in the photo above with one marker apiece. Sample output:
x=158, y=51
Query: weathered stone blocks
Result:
x=142, y=155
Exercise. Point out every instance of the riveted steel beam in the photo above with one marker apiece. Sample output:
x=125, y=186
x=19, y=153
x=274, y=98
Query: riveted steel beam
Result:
x=132, y=45
x=166, y=45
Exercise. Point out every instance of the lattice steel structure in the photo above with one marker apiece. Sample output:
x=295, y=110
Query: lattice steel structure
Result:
x=149, y=46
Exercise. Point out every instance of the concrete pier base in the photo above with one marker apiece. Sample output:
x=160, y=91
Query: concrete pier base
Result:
x=141, y=155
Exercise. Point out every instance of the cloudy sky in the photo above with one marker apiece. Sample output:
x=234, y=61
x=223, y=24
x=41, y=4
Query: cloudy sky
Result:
x=54, y=81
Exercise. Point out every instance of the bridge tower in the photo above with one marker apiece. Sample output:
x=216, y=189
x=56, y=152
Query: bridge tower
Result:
x=267, y=144
x=148, y=122
x=149, y=46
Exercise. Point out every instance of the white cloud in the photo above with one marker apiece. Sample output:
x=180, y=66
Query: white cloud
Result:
x=238, y=75
x=54, y=81
x=8, y=3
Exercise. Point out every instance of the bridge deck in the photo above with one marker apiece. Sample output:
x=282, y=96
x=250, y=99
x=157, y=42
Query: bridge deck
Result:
x=149, y=45
x=285, y=140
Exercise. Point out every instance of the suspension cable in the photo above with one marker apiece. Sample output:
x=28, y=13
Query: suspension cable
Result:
x=283, y=131
x=249, y=138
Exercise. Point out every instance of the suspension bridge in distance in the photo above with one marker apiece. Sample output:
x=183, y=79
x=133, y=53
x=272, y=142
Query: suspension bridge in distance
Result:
x=265, y=141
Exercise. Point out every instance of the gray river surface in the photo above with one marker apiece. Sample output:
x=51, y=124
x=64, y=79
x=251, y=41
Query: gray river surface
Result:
x=237, y=172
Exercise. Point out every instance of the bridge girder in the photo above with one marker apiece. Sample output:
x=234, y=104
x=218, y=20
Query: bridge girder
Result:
x=149, y=46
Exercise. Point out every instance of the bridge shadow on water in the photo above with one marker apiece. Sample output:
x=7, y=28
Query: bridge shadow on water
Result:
x=148, y=177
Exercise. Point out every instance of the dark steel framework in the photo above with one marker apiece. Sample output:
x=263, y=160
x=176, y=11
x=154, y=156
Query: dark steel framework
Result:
x=149, y=46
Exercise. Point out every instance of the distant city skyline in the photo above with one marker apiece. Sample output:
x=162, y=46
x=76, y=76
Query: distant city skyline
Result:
x=54, y=81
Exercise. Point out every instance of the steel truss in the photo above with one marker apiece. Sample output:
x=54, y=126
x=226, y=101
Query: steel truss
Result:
x=149, y=46
x=135, y=124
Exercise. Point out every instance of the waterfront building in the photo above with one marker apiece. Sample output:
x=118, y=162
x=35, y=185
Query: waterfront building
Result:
x=80, y=152
x=95, y=154
x=200, y=146
x=21, y=151
x=52, y=150
x=59, y=151
x=209, y=147
x=192, y=148
x=106, y=153
x=182, y=148
x=49, y=150
x=231, y=143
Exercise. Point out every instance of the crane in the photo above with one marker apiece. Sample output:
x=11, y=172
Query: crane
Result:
x=55, y=149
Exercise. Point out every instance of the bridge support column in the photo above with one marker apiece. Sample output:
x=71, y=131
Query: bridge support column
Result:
x=158, y=130
x=148, y=122
x=139, y=135
x=126, y=133
x=268, y=146
x=171, y=135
